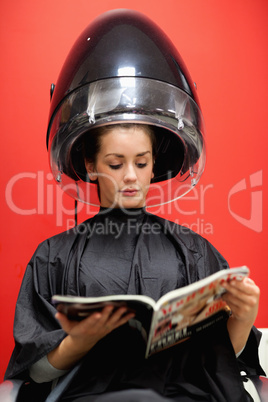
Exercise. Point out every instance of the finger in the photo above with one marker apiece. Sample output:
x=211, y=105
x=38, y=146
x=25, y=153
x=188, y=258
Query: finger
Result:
x=63, y=320
x=123, y=320
x=121, y=315
x=238, y=298
x=247, y=287
x=117, y=314
x=69, y=325
x=244, y=308
x=105, y=322
x=232, y=302
x=66, y=324
x=233, y=294
x=249, y=281
x=105, y=314
x=117, y=317
x=126, y=318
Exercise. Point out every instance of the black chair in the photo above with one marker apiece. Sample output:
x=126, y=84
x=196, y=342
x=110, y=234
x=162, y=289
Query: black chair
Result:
x=21, y=391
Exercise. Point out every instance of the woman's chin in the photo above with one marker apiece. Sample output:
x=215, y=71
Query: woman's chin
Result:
x=131, y=202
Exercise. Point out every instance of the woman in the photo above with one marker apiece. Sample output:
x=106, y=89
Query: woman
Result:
x=124, y=249
x=109, y=353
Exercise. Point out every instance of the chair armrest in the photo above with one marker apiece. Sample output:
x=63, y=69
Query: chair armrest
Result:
x=9, y=390
x=257, y=387
x=263, y=389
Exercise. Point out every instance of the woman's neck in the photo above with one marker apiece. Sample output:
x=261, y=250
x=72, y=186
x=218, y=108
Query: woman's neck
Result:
x=131, y=212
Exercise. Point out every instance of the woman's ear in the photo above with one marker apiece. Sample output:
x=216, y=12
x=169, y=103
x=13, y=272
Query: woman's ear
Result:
x=152, y=176
x=90, y=170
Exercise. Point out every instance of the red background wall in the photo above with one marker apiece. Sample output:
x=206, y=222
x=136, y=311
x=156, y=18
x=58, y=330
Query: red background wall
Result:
x=224, y=45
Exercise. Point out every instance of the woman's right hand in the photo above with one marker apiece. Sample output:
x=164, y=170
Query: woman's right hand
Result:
x=83, y=335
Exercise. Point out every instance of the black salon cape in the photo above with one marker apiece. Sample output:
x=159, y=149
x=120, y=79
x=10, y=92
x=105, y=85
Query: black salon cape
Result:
x=201, y=369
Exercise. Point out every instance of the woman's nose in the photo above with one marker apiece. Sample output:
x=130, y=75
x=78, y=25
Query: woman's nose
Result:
x=130, y=174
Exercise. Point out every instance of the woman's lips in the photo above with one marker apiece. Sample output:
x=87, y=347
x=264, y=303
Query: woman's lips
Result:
x=129, y=192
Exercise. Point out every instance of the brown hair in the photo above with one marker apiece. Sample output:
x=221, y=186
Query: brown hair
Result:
x=92, y=139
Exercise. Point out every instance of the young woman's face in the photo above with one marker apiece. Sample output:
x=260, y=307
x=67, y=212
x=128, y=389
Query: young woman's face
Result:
x=123, y=167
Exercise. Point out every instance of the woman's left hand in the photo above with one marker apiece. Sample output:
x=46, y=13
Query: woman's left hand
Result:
x=243, y=299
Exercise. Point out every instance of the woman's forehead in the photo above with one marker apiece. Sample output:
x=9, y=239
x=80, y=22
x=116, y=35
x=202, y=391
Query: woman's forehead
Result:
x=121, y=140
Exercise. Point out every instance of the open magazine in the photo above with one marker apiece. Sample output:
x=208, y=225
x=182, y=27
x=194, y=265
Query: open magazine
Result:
x=175, y=317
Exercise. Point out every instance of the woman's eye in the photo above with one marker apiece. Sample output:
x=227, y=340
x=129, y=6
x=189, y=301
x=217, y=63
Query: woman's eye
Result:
x=141, y=165
x=115, y=166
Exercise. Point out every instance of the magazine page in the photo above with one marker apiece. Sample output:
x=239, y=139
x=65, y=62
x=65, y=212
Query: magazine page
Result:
x=189, y=310
x=79, y=307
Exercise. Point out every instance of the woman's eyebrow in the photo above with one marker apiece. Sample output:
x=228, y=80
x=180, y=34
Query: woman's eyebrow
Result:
x=143, y=153
x=122, y=156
